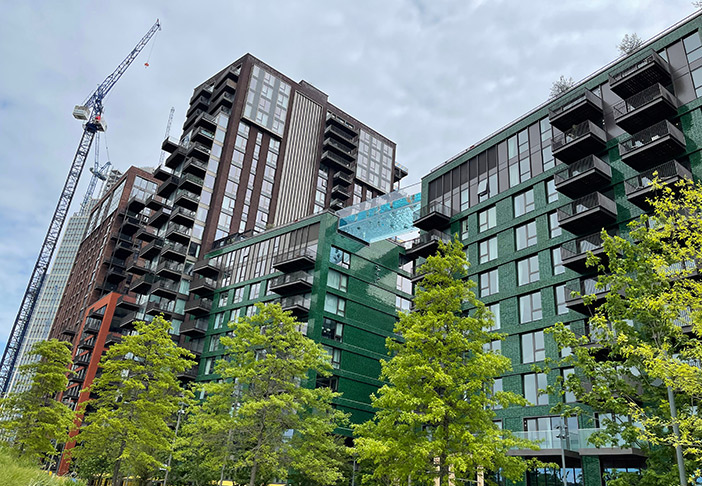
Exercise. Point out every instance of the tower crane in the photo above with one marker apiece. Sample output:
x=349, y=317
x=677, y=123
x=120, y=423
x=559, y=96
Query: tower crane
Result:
x=168, y=132
x=90, y=112
x=98, y=173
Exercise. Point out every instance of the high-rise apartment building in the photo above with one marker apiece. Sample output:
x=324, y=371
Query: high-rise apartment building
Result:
x=530, y=201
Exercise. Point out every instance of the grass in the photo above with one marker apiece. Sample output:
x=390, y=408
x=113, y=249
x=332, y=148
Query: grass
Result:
x=20, y=472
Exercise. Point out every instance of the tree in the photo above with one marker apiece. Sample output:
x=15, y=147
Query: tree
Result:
x=138, y=396
x=435, y=414
x=33, y=420
x=639, y=358
x=265, y=418
x=560, y=86
x=629, y=44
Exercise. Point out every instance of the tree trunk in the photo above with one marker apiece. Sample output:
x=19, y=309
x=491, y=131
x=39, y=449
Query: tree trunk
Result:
x=254, y=469
x=118, y=463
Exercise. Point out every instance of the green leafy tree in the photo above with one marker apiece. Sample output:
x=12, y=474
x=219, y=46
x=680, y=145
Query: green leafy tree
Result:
x=33, y=420
x=138, y=396
x=435, y=414
x=560, y=86
x=638, y=360
x=263, y=419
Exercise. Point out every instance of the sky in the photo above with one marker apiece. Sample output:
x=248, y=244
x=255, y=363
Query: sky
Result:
x=435, y=76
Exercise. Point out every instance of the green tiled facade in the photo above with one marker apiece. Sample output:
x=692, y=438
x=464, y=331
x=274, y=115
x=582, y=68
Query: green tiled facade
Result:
x=370, y=299
x=455, y=189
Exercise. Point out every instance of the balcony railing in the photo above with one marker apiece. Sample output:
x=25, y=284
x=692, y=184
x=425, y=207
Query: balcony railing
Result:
x=295, y=259
x=296, y=303
x=434, y=215
x=661, y=141
x=587, y=106
x=578, y=178
x=194, y=326
x=290, y=282
x=552, y=439
x=426, y=244
x=643, y=98
x=586, y=130
x=584, y=204
x=670, y=172
x=639, y=76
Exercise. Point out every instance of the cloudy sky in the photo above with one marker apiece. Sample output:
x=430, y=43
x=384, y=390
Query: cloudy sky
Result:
x=435, y=76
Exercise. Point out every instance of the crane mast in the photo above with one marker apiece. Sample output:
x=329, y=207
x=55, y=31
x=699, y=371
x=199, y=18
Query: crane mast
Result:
x=91, y=112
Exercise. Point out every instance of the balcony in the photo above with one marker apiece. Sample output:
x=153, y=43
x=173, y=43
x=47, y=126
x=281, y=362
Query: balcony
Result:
x=574, y=253
x=641, y=110
x=191, y=183
x=587, y=214
x=177, y=232
x=225, y=99
x=587, y=106
x=337, y=204
x=198, y=151
x=298, y=259
x=577, y=179
x=77, y=376
x=160, y=217
x=92, y=325
x=639, y=190
x=186, y=199
x=198, y=307
x=127, y=303
x=69, y=332
x=156, y=202
x=340, y=131
x=174, y=251
x=343, y=149
x=194, y=346
x=298, y=305
x=169, y=269
x=138, y=266
x=338, y=162
x=644, y=149
x=155, y=308
x=72, y=392
x=207, y=121
x=152, y=249
x=578, y=142
x=173, y=160
x=343, y=178
x=195, y=167
x=202, y=286
x=584, y=286
x=142, y=284
x=426, y=244
x=127, y=322
x=400, y=171
x=434, y=215
x=341, y=191
x=650, y=70
x=194, y=327
x=168, y=186
x=291, y=283
x=88, y=344
x=146, y=233
x=550, y=442
x=203, y=135
x=123, y=249
x=113, y=338
x=165, y=288
x=188, y=375
x=229, y=80
x=136, y=204
x=82, y=359
x=618, y=448
x=115, y=274
x=206, y=268
x=162, y=173
x=170, y=144
x=201, y=102
x=131, y=223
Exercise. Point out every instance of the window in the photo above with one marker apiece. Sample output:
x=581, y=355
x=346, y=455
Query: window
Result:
x=494, y=346
x=512, y=147
x=558, y=267
x=337, y=280
x=332, y=329
x=334, y=355
x=209, y=366
x=487, y=219
x=489, y=283
x=523, y=203
x=223, y=299
x=545, y=128
x=465, y=232
x=697, y=81
x=335, y=305
x=551, y=192
x=496, y=388
x=561, y=307
x=238, y=295
x=403, y=284
x=402, y=304
x=519, y=172
x=532, y=383
x=526, y=235
x=331, y=382
x=255, y=291
x=547, y=158
x=533, y=348
x=530, y=307
x=528, y=270
x=495, y=309
x=488, y=249
x=569, y=396
x=523, y=139
x=693, y=47
x=554, y=227
x=340, y=257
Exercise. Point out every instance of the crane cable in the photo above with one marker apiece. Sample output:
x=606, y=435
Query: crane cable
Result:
x=146, y=64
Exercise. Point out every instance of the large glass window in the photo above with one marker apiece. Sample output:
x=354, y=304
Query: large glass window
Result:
x=523, y=203
x=487, y=219
x=532, y=383
x=337, y=280
x=561, y=307
x=566, y=373
x=551, y=192
x=332, y=329
x=496, y=322
x=528, y=270
x=554, y=227
x=335, y=304
x=334, y=355
x=545, y=129
x=693, y=46
x=488, y=249
x=547, y=158
x=530, y=307
x=558, y=267
x=519, y=172
x=533, y=348
x=489, y=283
x=526, y=235
x=697, y=81
x=340, y=257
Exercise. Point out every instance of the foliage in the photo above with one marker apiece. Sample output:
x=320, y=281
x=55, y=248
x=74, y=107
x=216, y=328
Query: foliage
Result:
x=560, y=86
x=138, y=396
x=629, y=44
x=18, y=471
x=33, y=419
x=646, y=336
x=435, y=414
x=262, y=420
